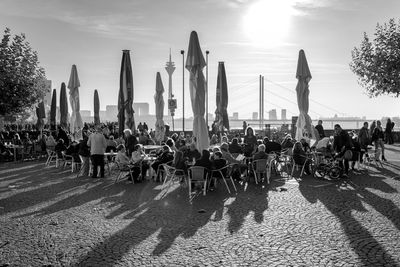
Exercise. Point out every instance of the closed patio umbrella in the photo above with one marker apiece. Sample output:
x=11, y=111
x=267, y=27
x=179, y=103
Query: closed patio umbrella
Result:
x=125, y=95
x=73, y=86
x=221, y=113
x=63, y=107
x=195, y=64
x=303, y=76
x=159, y=101
x=53, y=110
x=96, y=108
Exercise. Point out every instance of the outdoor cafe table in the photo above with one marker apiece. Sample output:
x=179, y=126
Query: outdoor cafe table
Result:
x=148, y=148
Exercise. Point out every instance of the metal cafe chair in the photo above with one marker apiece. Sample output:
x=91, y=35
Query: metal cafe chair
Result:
x=197, y=174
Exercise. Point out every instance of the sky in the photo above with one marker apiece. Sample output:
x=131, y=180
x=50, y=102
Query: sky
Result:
x=251, y=37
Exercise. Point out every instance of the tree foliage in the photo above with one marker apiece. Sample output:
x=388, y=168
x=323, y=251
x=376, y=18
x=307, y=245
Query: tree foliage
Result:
x=22, y=80
x=377, y=62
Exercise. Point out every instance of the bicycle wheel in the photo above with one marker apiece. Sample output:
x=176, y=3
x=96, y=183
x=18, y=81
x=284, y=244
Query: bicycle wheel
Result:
x=320, y=170
x=334, y=172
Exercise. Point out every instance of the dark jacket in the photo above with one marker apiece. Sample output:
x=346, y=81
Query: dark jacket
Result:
x=377, y=134
x=181, y=165
x=204, y=162
x=235, y=148
x=342, y=140
x=193, y=154
x=320, y=130
x=165, y=157
x=299, y=156
x=364, y=138
x=272, y=147
x=130, y=144
x=84, y=150
x=218, y=164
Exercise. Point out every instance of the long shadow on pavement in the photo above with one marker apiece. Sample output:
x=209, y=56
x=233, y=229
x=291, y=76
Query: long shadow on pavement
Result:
x=341, y=201
x=27, y=198
x=171, y=216
x=254, y=199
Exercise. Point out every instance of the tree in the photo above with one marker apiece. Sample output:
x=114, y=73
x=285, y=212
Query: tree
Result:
x=377, y=62
x=22, y=80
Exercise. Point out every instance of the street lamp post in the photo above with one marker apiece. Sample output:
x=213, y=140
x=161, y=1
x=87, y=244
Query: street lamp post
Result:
x=207, y=52
x=183, y=90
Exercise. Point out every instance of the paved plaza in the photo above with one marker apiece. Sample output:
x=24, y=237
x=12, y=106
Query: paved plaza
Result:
x=49, y=217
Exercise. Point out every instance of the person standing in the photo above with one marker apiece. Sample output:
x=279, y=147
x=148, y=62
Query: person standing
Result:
x=320, y=129
x=97, y=143
x=130, y=142
x=377, y=138
x=388, y=132
x=341, y=144
x=364, y=138
x=250, y=141
x=84, y=154
x=371, y=129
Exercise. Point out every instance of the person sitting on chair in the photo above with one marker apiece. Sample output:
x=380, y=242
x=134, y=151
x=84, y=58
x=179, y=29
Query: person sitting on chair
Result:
x=300, y=158
x=204, y=160
x=271, y=146
x=242, y=167
x=218, y=163
x=124, y=162
x=165, y=157
x=111, y=144
x=193, y=153
x=60, y=147
x=179, y=163
x=138, y=163
x=260, y=154
x=234, y=147
x=287, y=143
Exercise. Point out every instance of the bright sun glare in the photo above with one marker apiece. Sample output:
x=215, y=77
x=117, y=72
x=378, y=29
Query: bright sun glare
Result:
x=267, y=21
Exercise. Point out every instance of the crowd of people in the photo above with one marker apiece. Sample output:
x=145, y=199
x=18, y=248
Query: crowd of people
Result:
x=180, y=150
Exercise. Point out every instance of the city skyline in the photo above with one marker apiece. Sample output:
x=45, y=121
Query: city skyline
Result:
x=252, y=37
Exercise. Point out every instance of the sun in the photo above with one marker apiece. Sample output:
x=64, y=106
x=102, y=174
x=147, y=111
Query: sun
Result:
x=267, y=22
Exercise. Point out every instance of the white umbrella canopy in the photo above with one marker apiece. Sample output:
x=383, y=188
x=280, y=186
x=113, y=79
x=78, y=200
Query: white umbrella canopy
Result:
x=303, y=76
x=194, y=64
x=73, y=86
x=159, y=101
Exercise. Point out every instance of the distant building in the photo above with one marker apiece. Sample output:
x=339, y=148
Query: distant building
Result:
x=272, y=114
x=255, y=116
x=103, y=115
x=85, y=113
x=235, y=115
x=111, y=113
x=283, y=114
x=141, y=109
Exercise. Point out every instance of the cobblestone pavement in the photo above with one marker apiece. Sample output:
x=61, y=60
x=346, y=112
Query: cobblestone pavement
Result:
x=49, y=217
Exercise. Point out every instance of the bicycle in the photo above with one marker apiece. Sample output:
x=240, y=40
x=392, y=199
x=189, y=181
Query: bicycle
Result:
x=328, y=168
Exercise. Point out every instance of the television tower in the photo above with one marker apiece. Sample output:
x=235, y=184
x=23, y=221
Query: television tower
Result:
x=170, y=67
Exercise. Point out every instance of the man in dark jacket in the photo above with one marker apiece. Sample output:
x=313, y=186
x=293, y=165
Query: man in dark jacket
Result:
x=341, y=144
x=320, y=129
